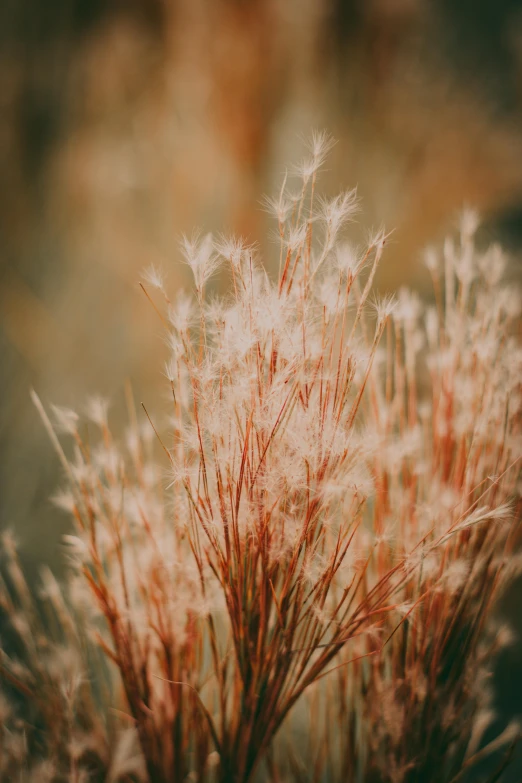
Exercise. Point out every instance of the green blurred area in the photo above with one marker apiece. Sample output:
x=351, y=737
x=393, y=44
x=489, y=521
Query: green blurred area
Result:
x=124, y=124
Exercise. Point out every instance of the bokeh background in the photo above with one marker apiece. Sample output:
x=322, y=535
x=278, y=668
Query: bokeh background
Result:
x=124, y=123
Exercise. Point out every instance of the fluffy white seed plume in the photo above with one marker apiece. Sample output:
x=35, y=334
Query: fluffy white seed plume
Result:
x=97, y=410
x=154, y=276
x=199, y=253
x=335, y=212
x=66, y=420
x=319, y=146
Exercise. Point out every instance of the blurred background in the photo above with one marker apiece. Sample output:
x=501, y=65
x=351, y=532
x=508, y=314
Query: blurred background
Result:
x=126, y=122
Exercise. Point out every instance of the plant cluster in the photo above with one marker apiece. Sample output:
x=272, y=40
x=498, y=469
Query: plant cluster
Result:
x=294, y=578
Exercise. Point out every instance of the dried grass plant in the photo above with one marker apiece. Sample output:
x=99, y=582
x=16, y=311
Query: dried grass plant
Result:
x=321, y=529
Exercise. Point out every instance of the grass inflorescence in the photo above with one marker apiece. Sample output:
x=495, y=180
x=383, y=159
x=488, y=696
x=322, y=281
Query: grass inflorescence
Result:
x=295, y=578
